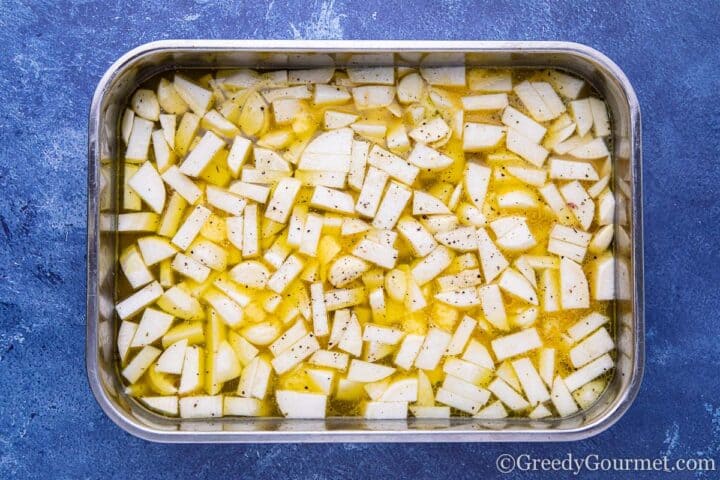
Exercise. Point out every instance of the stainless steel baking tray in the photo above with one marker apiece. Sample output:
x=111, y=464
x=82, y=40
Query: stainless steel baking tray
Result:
x=151, y=59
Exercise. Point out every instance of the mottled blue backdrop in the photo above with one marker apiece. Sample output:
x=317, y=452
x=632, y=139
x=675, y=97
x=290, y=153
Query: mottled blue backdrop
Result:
x=52, y=54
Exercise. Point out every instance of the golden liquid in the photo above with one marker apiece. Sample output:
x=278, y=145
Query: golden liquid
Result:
x=550, y=325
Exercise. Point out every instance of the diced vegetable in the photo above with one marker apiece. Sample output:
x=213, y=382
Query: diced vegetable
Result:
x=145, y=104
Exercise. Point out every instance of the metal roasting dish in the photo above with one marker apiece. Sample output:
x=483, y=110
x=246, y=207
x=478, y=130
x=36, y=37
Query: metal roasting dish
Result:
x=149, y=60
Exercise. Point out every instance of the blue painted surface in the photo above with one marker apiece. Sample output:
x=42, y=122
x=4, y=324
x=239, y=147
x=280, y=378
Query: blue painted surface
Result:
x=51, y=57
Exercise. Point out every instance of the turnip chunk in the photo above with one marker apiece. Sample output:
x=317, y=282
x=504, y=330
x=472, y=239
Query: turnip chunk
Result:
x=562, y=399
x=519, y=144
x=385, y=410
x=566, y=85
x=579, y=202
x=457, y=401
x=477, y=353
x=373, y=96
x=358, y=160
x=301, y=404
x=589, y=372
x=478, y=137
x=382, y=334
x=408, y=351
x=461, y=336
x=140, y=363
x=533, y=102
x=200, y=156
x=371, y=192
x=182, y=184
x=597, y=344
x=327, y=358
x=149, y=186
x=601, y=122
x=329, y=151
x=443, y=68
x=391, y=206
x=523, y=124
x=191, y=227
x=493, y=306
x=461, y=299
x=492, y=260
x=581, y=112
x=138, y=142
x=419, y=239
x=298, y=352
x=587, y=325
x=256, y=193
x=477, y=178
x=573, y=285
x=332, y=200
x=433, y=349
x=393, y=165
x=516, y=344
x=319, y=310
x=376, y=253
x=225, y=200
x=507, y=395
x=546, y=365
x=568, y=242
x=515, y=284
x=285, y=274
x=532, y=384
x=429, y=131
x=493, y=411
x=571, y=170
x=250, y=234
x=428, y=158
x=311, y=234
x=138, y=300
x=282, y=200
x=432, y=265
x=366, y=372
x=461, y=239
x=297, y=331
x=495, y=101
x=426, y=204
x=459, y=281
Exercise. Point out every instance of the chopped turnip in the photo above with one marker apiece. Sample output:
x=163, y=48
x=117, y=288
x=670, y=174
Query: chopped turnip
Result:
x=589, y=372
x=433, y=348
x=532, y=384
x=492, y=260
x=365, y=372
x=516, y=344
x=376, y=253
x=391, y=206
x=521, y=145
x=523, y=124
x=507, y=395
x=574, y=291
x=562, y=399
x=432, y=265
x=478, y=137
x=597, y=344
x=430, y=131
x=570, y=170
x=408, y=351
x=515, y=284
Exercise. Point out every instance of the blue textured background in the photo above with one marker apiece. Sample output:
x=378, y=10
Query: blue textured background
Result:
x=51, y=57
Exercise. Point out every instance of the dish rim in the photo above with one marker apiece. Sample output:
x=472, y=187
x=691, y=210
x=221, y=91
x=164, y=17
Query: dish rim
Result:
x=624, y=398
